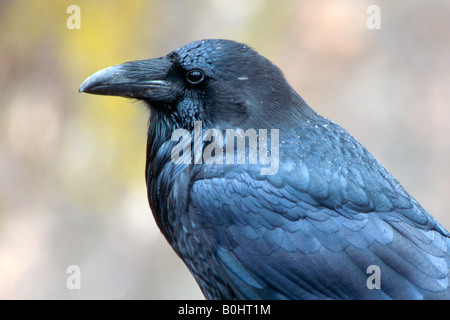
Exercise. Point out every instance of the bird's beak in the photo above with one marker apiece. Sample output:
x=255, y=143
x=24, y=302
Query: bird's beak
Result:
x=142, y=79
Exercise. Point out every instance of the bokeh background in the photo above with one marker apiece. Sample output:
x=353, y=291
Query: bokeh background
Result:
x=72, y=189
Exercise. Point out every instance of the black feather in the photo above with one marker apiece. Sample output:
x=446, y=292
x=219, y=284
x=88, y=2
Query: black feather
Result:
x=312, y=228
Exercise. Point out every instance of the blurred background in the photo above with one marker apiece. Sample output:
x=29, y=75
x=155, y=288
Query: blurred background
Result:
x=72, y=188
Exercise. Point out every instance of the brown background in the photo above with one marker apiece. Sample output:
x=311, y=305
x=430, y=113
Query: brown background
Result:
x=72, y=189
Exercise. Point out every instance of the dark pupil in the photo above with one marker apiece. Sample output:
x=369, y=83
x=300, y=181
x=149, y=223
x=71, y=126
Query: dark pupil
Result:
x=195, y=76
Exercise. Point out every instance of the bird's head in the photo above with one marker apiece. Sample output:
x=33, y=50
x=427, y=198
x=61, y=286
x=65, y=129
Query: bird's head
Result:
x=222, y=83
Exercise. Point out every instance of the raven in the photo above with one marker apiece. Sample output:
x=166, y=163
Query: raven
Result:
x=327, y=222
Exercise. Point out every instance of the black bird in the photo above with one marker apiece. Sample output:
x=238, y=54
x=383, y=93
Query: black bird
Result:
x=326, y=221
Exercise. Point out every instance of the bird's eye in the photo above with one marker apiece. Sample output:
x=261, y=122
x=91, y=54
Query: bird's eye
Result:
x=195, y=77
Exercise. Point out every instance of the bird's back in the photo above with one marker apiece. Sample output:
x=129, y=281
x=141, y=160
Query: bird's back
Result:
x=314, y=230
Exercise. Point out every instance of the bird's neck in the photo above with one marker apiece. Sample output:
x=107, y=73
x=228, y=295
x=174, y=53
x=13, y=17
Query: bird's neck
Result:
x=161, y=173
